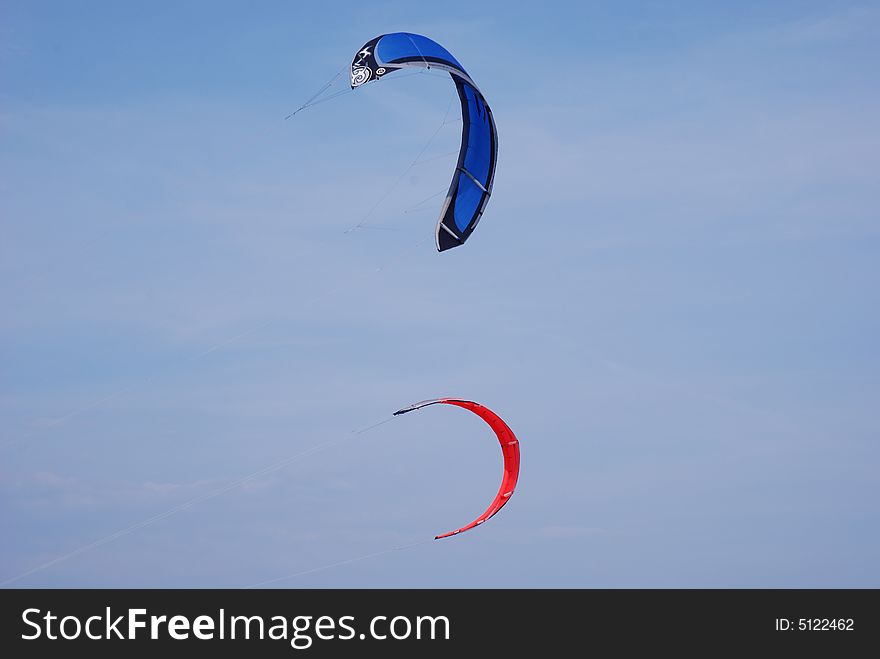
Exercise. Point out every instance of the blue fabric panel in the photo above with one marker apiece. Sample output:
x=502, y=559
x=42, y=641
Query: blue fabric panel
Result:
x=467, y=200
x=403, y=45
x=478, y=156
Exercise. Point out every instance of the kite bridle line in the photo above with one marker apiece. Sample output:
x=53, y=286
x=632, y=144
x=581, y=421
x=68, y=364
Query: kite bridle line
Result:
x=415, y=161
x=315, y=100
x=326, y=86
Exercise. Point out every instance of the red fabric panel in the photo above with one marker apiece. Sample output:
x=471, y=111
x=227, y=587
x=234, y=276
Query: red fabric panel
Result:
x=510, y=452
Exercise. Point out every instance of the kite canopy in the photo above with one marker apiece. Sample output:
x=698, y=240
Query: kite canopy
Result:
x=509, y=450
x=472, y=182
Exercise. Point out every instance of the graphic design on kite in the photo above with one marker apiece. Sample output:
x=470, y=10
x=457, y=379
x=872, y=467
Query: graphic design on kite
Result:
x=509, y=450
x=471, y=184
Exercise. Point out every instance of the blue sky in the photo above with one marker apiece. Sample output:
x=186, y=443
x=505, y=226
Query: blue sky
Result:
x=671, y=298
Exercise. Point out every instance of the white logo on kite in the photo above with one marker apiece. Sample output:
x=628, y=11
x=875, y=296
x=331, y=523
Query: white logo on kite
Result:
x=380, y=70
x=360, y=75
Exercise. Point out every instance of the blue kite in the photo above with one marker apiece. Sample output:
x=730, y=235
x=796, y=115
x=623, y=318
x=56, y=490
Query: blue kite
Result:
x=472, y=182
